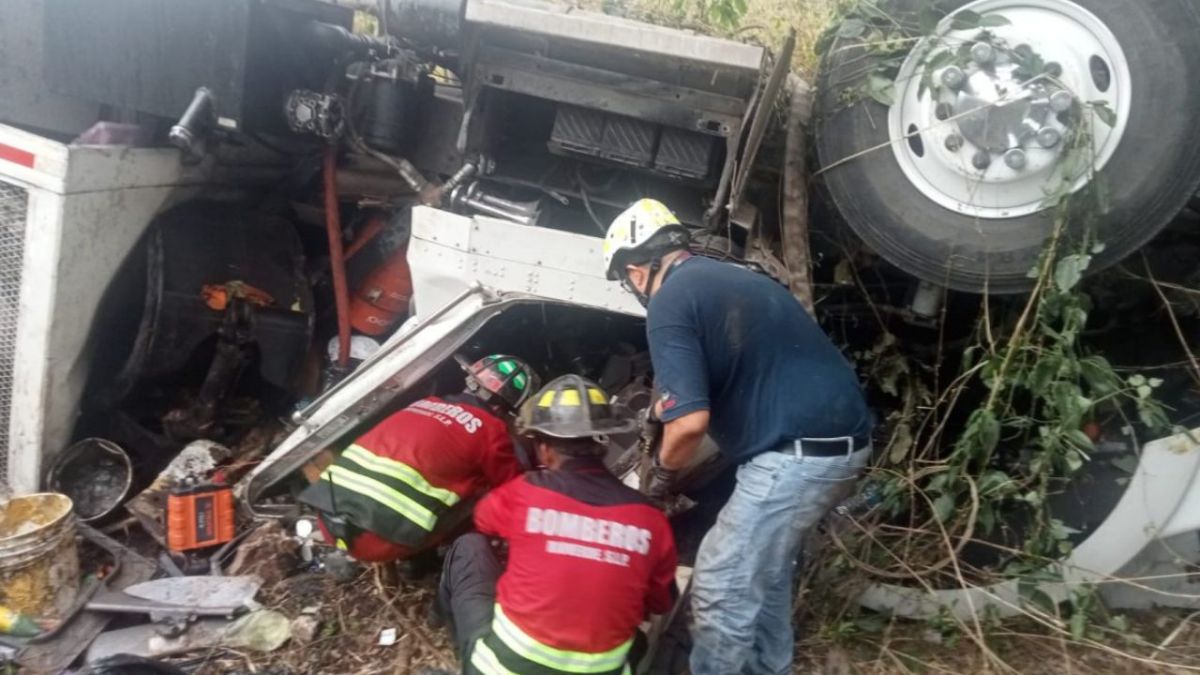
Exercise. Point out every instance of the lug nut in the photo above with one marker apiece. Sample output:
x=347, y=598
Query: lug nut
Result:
x=1015, y=159
x=982, y=52
x=943, y=111
x=953, y=77
x=981, y=160
x=1048, y=137
x=1061, y=101
x=954, y=142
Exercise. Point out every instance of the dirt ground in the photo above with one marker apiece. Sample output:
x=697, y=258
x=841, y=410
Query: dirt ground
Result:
x=351, y=616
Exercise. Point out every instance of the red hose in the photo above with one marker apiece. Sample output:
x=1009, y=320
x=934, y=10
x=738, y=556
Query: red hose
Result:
x=337, y=257
x=371, y=230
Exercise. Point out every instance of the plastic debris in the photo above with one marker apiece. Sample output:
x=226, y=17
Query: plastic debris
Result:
x=264, y=631
x=304, y=628
x=387, y=637
x=20, y=625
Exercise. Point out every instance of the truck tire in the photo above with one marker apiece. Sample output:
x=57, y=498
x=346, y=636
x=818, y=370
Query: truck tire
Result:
x=904, y=197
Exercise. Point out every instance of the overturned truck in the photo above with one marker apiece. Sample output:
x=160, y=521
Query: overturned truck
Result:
x=198, y=197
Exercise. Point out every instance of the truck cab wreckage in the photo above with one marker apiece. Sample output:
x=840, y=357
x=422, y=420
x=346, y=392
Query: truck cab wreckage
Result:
x=218, y=214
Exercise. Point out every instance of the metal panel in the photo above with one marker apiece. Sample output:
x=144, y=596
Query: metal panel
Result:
x=610, y=91
x=567, y=22
x=578, y=130
x=25, y=100
x=629, y=141
x=684, y=153
x=14, y=206
x=151, y=55
x=448, y=253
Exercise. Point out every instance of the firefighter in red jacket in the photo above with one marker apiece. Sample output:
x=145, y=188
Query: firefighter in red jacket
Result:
x=383, y=497
x=588, y=557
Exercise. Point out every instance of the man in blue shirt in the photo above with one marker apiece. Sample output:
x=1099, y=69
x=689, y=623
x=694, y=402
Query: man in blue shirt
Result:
x=737, y=357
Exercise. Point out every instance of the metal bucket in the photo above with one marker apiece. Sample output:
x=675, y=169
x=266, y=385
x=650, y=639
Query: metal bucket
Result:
x=95, y=474
x=39, y=562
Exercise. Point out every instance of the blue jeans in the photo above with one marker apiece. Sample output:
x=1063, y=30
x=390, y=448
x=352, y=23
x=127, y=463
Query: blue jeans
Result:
x=743, y=581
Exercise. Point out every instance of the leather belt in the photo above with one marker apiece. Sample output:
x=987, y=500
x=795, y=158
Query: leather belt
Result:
x=827, y=447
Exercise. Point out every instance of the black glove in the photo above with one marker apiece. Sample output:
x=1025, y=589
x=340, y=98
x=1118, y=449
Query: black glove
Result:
x=657, y=482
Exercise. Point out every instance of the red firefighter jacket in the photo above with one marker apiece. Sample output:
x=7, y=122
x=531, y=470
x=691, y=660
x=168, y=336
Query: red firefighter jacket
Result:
x=587, y=558
x=400, y=477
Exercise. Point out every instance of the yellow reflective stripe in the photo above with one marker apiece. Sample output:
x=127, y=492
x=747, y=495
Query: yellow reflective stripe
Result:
x=400, y=471
x=560, y=659
x=485, y=661
x=373, y=489
x=596, y=396
x=546, y=400
x=568, y=397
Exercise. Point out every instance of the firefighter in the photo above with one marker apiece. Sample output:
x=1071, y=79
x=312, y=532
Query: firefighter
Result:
x=386, y=495
x=588, y=557
x=737, y=357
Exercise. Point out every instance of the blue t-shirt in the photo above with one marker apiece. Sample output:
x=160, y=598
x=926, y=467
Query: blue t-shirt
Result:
x=735, y=343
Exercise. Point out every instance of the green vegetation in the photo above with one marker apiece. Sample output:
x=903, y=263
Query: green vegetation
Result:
x=765, y=22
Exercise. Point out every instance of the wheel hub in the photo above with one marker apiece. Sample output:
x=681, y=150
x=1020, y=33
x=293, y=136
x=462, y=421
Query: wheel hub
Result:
x=989, y=132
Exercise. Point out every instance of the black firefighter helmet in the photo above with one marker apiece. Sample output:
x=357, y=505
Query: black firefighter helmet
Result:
x=571, y=406
x=500, y=376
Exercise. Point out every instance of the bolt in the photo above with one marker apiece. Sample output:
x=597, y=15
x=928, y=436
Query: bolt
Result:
x=954, y=142
x=1048, y=137
x=1061, y=101
x=1054, y=69
x=981, y=160
x=943, y=111
x=983, y=53
x=1015, y=159
x=953, y=77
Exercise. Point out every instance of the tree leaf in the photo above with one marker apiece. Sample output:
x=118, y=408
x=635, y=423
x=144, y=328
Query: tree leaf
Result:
x=987, y=517
x=1080, y=440
x=930, y=18
x=1105, y=113
x=902, y=442
x=1079, y=623
x=965, y=19
x=994, y=21
x=943, y=508
x=851, y=28
x=881, y=89
x=1069, y=271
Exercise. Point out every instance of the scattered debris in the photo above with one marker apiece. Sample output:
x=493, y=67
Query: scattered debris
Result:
x=260, y=631
x=21, y=625
x=268, y=552
x=263, y=631
x=304, y=628
x=57, y=649
x=126, y=664
x=387, y=637
x=199, y=592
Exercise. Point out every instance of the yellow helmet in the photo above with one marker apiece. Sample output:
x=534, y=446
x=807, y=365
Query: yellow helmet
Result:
x=635, y=230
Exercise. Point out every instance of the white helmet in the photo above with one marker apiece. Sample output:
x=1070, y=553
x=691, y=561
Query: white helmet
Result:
x=635, y=227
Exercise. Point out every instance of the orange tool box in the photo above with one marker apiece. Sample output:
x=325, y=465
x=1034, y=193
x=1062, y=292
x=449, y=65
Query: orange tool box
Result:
x=199, y=516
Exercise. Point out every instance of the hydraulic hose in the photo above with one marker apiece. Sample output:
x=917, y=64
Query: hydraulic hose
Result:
x=337, y=256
